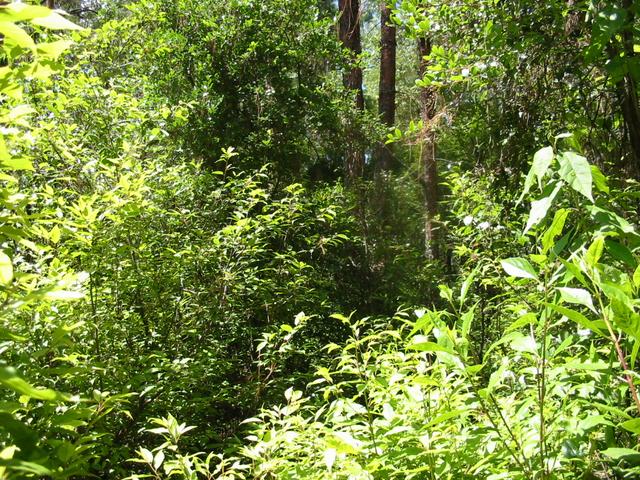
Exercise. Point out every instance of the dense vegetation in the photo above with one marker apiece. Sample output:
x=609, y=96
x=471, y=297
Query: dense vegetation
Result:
x=269, y=239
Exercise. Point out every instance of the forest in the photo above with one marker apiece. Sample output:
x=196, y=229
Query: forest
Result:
x=319, y=239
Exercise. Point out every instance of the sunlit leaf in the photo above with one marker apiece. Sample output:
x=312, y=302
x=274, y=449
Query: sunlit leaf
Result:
x=55, y=21
x=576, y=171
x=578, y=296
x=519, y=267
x=10, y=379
x=6, y=269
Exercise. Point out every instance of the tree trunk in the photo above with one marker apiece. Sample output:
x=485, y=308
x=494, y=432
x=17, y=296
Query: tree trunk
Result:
x=387, y=85
x=628, y=94
x=349, y=33
x=429, y=167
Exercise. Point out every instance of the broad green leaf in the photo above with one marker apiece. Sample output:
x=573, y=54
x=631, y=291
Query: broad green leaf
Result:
x=575, y=272
x=594, y=252
x=578, y=296
x=10, y=379
x=18, y=112
x=467, y=319
x=595, y=420
x=541, y=162
x=609, y=220
x=576, y=171
x=526, y=319
x=146, y=455
x=620, y=252
x=467, y=284
x=614, y=292
x=539, y=209
x=578, y=318
x=588, y=366
x=599, y=180
x=447, y=416
x=343, y=442
x=6, y=269
x=636, y=277
x=16, y=163
x=496, y=377
x=6, y=334
x=557, y=225
x=625, y=318
x=519, y=267
x=523, y=343
x=53, y=50
x=32, y=468
x=632, y=426
x=54, y=234
x=18, y=11
x=420, y=344
x=618, y=453
x=55, y=21
x=15, y=35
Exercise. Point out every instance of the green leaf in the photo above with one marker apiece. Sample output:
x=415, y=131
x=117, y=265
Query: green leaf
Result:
x=557, y=225
x=18, y=11
x=575, y=271
x=6, y=270
x=146, y=455
x=523, y=343
x=53, y=50
x=594, y=252
x=621, y=253
x=467, y=319
x=636, y=277
x=15, y=35
x=519, y=267
x=447, y=416
x=624, y=317
x=576, y=171
x=16, y=163
x=10, y=379
x=594, y=421
x=55, y=21
x=618, y=453
x=541, y=163
x=632, y=426
x=539, y=209
x=578, y=318
x=579, y=296
x=464, y=290
x=599, y=180
x=343, y=442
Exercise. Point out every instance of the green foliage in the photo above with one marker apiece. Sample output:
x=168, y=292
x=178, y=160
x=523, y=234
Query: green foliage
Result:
x=408, y=398
x=248, y=78
x=174, y=245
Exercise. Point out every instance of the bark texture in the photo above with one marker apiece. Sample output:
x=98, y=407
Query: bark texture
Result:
x=349, y=34
x=429, y=167
x=387, y=85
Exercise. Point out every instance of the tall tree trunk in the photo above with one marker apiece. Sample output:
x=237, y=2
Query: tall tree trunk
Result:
x=349, y=33
x=387, y=85
x=628, y=93
x=429, y=167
